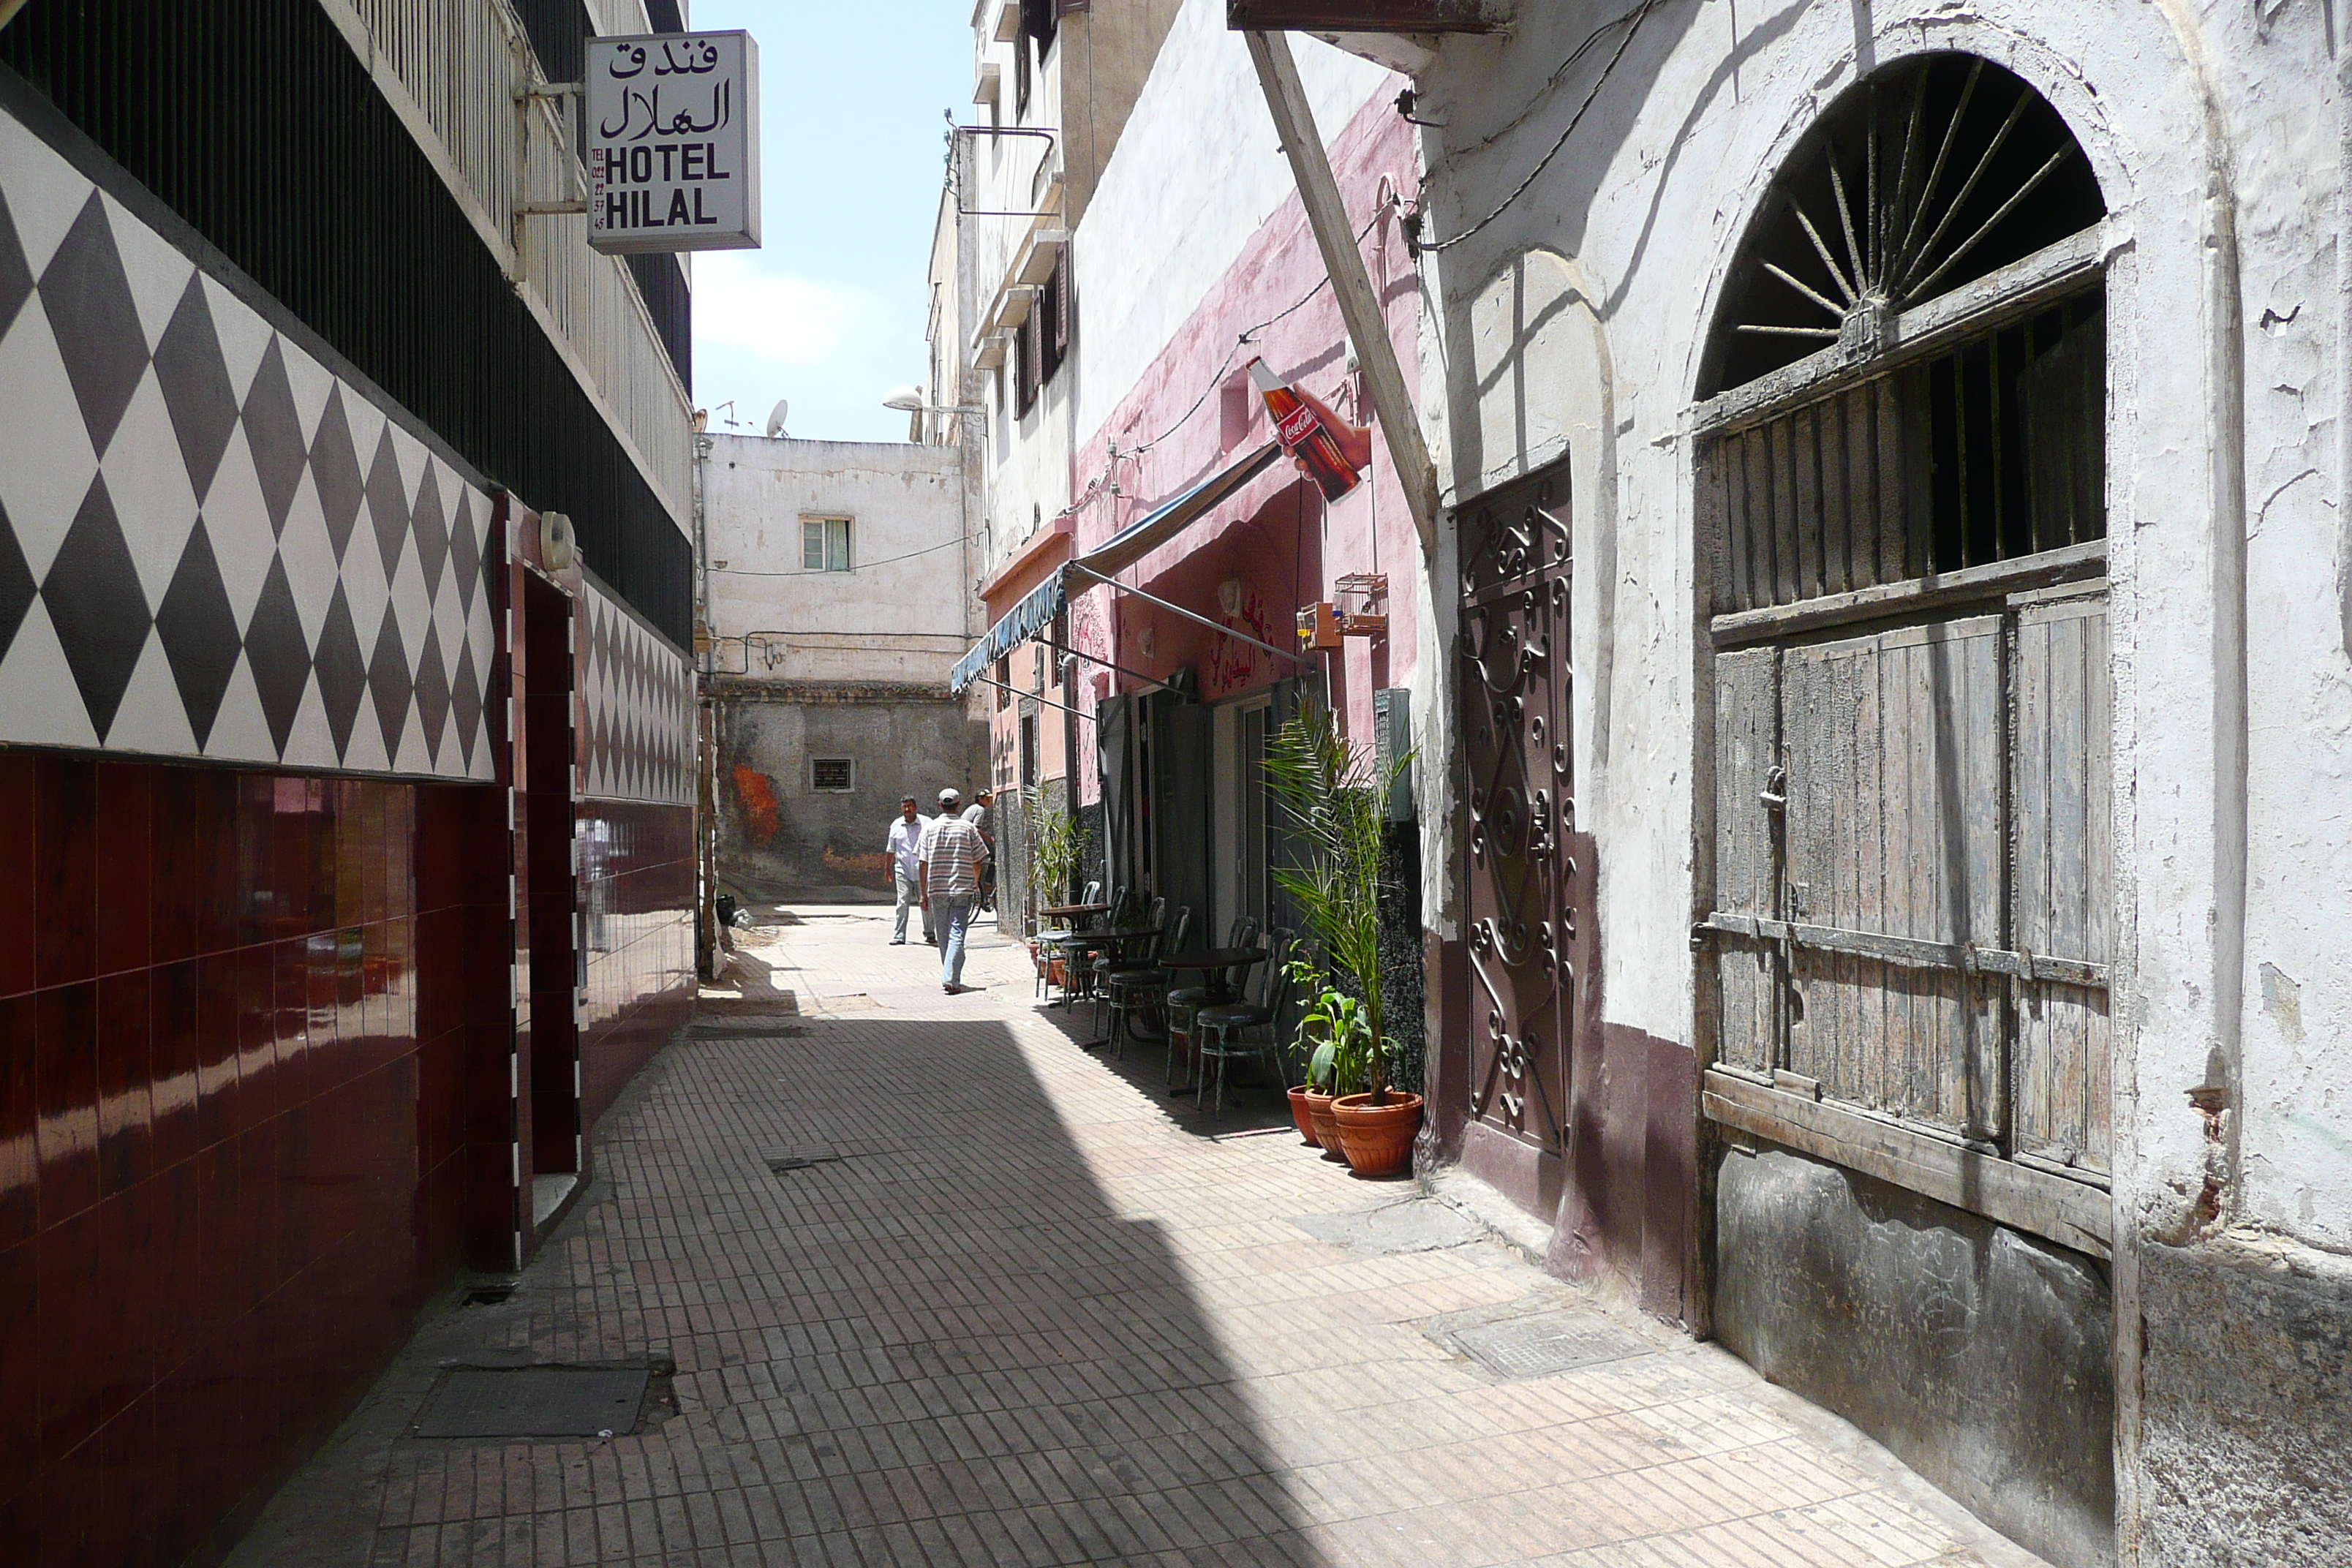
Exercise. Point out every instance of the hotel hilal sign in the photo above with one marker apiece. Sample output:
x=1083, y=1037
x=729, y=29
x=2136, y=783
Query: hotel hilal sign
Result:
x=673, y=142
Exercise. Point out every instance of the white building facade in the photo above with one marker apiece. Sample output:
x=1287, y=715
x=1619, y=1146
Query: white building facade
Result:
x=1939, y=416
x=835, y=584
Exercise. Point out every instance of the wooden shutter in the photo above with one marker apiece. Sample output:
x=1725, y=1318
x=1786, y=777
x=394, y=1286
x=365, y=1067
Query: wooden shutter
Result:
x=1894, y=743
x=2062, y=877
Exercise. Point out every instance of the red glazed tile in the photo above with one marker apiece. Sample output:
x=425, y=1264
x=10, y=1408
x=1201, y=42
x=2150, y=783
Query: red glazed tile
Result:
x=324, y=1060
x=126, y=1107
x=180, y=854
x=299, y=836
x=220, y=1034
x=73, y=1316
x=134, y=1483
x=211, y=850
x=19, y=926
x=20, y=1120
x=175, y=1047
x=20, y=1361
x=65, y=1073
x=125, y=860
x=65, y=897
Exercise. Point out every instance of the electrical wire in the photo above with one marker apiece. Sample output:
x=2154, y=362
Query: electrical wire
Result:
x=861, y=566
x=1632, y=22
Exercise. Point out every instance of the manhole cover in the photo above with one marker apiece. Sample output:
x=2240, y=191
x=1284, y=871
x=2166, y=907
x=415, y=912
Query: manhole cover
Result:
x=534, y=1402
x=1544, y=1342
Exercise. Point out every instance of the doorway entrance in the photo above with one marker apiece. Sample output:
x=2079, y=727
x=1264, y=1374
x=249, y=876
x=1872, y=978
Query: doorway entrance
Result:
x=546, y=818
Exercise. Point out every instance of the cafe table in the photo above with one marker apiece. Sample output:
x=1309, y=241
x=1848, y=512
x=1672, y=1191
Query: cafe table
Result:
x=1073, y=943
x=1214, y=962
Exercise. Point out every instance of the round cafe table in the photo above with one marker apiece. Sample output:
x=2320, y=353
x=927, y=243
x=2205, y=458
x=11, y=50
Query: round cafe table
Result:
x=1215, y=961
x=1072, y=911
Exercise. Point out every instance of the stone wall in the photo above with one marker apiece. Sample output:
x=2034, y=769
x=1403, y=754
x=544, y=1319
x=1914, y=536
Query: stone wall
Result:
x=781, y=838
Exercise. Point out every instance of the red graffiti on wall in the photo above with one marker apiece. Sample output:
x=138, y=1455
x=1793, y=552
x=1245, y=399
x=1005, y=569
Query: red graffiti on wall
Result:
x=756, y=792
x=1231, y=662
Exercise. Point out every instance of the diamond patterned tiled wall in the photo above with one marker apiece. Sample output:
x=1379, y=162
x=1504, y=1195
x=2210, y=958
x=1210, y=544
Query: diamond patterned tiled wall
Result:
x=639, y=696
x=211, y=544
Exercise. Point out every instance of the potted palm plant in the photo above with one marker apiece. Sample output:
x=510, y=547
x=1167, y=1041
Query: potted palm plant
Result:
x=1056, y=847
x=1330, y=791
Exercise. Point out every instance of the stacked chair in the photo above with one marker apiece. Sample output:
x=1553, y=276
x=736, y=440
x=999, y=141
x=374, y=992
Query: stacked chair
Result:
x=1139, y=980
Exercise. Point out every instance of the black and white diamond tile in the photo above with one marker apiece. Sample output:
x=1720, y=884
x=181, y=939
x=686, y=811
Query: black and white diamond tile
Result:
x=211, y=544
x=639, y=698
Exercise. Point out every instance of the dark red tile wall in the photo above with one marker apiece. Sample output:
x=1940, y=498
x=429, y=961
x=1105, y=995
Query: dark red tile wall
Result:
x=637, y=890
x=252, y=1113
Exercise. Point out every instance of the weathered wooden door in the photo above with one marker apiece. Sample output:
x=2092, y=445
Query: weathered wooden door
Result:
x=1514, y=685
x=1912, y=869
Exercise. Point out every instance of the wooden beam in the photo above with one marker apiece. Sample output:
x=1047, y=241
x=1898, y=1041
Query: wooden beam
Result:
x=2069, y=1211
x=1318, y=189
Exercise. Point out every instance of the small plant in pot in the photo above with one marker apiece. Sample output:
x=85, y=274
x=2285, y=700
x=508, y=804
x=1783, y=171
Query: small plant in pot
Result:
x=1331, y=793
x=1332, y=1032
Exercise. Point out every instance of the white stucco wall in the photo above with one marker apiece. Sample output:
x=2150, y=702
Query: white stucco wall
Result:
x=1198, y=170
x=2229, y=904
x=902, y=613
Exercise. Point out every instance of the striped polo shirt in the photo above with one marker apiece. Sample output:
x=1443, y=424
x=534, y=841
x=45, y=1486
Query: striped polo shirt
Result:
x=956, y=853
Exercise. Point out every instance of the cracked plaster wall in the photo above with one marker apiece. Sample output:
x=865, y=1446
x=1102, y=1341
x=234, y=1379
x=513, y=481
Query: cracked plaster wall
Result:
x=2221, y=143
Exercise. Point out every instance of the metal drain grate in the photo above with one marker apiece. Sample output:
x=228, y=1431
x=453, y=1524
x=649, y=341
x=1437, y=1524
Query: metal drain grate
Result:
x=799, y=1158
x=1542, y=1343
x=534, y=1402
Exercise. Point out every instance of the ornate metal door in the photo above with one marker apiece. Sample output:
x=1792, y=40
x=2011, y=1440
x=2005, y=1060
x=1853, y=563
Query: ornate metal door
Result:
x=1512, y=702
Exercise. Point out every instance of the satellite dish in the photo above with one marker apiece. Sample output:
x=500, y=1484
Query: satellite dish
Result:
x=776, y=417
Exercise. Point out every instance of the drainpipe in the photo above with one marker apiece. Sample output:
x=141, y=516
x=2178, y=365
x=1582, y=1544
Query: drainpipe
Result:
x=1318, y=190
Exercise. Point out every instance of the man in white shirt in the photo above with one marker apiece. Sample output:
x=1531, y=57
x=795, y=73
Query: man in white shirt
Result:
x=906, y=851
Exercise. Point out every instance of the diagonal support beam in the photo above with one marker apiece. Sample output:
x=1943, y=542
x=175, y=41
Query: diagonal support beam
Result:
x=1311, y=166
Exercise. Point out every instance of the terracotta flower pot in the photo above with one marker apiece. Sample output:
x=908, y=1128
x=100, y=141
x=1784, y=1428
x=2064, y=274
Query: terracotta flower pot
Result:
x=1326, y=1131
x=1377, y=1139
x=1298, y=1113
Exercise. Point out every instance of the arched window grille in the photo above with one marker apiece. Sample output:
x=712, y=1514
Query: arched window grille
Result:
x=1902, y=513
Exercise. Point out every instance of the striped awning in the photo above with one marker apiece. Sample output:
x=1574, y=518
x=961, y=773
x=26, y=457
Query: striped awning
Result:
x=1037, y=609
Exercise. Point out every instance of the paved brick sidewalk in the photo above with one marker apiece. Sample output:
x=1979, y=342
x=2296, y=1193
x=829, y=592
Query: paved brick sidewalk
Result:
x=1038, y=1312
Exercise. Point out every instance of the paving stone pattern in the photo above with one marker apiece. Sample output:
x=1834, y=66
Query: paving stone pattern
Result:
x=1035, y=1311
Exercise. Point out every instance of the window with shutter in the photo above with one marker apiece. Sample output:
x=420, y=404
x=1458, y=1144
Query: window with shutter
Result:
x=1026, y=376
x=1054, y=320
x=1902, y=492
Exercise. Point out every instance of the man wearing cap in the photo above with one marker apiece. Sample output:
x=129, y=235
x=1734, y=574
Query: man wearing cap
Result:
x=905, y=848
x=952, y=853
x=983, y=800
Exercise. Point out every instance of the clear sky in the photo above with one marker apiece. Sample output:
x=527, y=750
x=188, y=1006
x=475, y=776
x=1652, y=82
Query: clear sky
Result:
x=829, y=312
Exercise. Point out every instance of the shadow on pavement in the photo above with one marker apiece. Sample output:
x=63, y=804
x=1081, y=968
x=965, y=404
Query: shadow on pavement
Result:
x=939, y=1341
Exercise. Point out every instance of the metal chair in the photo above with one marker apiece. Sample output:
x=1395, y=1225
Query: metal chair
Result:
x=1218, y=1029
x=1142, y=981
x=1184, y=1000
x=1130, y=954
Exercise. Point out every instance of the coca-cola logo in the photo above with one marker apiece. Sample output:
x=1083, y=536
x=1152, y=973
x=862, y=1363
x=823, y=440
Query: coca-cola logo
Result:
x=1295, y=425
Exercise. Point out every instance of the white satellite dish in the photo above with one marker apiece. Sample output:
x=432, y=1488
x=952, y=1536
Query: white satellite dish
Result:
x=776, y=417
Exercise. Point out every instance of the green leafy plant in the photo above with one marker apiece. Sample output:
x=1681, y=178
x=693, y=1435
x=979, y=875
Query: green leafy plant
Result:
x=1331, y=793
x=1056, y=847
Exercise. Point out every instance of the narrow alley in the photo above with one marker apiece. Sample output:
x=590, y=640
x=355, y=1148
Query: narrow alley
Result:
x=1008, y=1302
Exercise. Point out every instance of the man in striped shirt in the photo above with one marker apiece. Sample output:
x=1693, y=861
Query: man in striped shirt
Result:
x=952, y=853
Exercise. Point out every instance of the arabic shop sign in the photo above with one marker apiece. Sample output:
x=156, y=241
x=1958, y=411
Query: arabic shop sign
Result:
x=673, y=143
